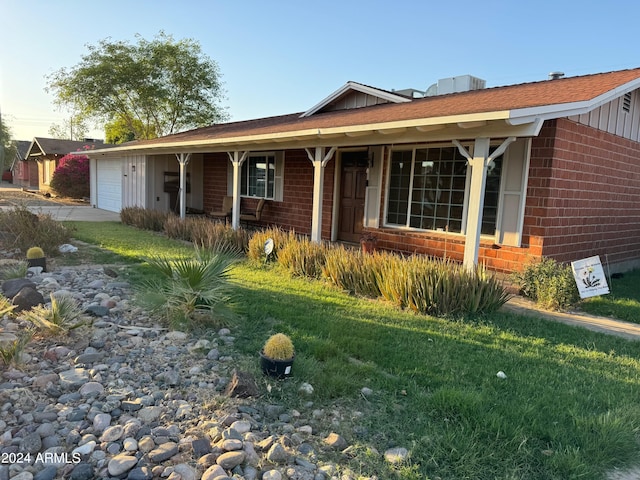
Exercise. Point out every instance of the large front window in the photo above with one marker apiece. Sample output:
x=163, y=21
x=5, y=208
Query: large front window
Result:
x=258, y=176
x=427, y=190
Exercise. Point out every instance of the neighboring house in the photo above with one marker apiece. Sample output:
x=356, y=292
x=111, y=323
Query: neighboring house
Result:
x=44, y=154
x=500, y=175
x=20, y=166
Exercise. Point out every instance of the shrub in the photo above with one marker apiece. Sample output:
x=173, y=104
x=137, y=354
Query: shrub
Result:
x=144, y=218
x=71, y=177
x=353, y=271
x=5, y=305
x=278, y=347
x=14, y=269
x=19, y=228
x=205, y=233
x=302, y=257
x=192, y=290
x=60, y=317
x=12, y=346
x=255, y=251
x=549, y=283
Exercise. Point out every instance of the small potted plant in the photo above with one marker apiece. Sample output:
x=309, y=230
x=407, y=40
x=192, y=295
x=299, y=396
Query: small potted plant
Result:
x=276, y=357
x=36, y=258
x=368, y=242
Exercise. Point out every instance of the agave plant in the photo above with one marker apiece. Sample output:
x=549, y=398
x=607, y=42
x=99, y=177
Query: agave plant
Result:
x=61, y=316
x=190, y=289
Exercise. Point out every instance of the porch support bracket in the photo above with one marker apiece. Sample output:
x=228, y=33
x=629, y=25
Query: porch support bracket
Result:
x=183, y=161
x=479, y=164
x=237, y=159
x=319, y=158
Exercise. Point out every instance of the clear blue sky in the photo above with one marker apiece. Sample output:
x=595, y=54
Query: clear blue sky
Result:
x=284, y=56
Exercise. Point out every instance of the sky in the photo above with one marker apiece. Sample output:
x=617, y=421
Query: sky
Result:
x=285, y=56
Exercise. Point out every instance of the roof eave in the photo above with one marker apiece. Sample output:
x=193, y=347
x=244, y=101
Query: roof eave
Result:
x=313, y=135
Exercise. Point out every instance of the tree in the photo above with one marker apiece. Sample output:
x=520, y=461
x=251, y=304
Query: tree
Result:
x=154, y=87
x=7, y=146
x=118, y=131
x=72, y=128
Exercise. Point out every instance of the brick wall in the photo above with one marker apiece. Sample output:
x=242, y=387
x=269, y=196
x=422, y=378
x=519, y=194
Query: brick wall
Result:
x=584, y=193
x=294, y=212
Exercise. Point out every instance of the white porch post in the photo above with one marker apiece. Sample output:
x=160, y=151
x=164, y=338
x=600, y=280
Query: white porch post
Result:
x=183, y=161
x=237, y=159
x=319, y=160
x=479, y=164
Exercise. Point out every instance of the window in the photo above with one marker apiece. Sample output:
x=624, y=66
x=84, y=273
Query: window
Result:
x=258, y=176
x=427, y=190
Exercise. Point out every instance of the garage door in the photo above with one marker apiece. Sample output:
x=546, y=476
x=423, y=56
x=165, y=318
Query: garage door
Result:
x=109, y=185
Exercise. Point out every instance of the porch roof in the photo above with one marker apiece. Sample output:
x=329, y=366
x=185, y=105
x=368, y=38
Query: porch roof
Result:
x=503, y=107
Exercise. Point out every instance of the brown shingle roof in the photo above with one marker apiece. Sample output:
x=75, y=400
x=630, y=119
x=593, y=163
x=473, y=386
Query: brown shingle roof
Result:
x=508, y=98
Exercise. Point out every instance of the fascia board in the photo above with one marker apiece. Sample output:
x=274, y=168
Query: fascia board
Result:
x=236, y=143
x=548, y=112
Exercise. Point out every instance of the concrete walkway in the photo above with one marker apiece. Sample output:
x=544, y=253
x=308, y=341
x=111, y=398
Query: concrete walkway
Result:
x=524, y=306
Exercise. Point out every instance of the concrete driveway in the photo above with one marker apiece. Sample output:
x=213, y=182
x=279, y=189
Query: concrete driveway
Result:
x=59, y=209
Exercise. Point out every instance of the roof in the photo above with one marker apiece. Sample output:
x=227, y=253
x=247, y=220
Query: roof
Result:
x=513, y=105
x=53, y=146
x=22, y=147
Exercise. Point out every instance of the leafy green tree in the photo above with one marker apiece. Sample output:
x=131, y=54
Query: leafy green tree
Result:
x=118, y=131
x=155, y=87
x=7, y=146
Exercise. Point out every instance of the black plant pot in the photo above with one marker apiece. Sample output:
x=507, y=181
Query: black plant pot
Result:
x=37, y=262
x=276, y=368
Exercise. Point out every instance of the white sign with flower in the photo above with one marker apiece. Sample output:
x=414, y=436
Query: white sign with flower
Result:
x=590, y=277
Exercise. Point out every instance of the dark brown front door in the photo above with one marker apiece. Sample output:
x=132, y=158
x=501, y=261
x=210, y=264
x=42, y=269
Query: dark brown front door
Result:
x=353, y=186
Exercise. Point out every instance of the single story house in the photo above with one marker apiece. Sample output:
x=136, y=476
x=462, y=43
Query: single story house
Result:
x=43, y=156
x=19, y=166
x=501, y=175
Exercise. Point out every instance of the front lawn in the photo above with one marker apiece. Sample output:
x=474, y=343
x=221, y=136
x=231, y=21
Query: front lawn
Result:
x=623, y=302
x=568, y=407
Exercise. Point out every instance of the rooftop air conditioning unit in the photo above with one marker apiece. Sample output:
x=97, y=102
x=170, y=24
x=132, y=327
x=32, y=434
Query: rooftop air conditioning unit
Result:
x=462, y=83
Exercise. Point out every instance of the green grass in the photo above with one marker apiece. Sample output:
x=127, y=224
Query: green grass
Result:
x=567, y=409
x=623, y=302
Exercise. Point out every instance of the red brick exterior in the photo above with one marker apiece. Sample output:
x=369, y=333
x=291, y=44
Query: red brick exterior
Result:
x=294, y=212
x=584, y=193
x=583, y=199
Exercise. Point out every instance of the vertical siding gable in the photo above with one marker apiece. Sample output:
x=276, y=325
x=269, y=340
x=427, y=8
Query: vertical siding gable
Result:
x=612, y=118
x=354, y=100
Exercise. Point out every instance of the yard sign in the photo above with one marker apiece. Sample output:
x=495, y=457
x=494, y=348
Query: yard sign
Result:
x=590, y=277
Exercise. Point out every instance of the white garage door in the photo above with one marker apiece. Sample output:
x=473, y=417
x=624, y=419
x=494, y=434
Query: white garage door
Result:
x=109, y=185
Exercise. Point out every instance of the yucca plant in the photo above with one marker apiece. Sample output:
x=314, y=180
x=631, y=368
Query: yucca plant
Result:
x=60, y=317
x=280, y=238
x=14, y=270
x=144, y=218
x=189, y=290
x=12, y=346
x=352, y=271
x=302, y=257
x=5, y=305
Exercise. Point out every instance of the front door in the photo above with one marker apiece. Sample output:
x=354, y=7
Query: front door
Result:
x=353, y=187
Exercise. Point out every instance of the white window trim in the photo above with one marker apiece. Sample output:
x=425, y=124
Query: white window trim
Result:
x=465, y=206
x=278, y=185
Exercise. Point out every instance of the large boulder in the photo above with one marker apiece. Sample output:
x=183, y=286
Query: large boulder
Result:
x=27, y=298
x=11, y=287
